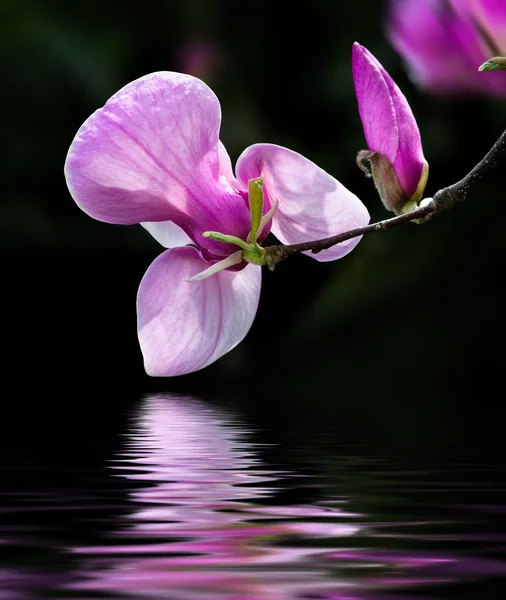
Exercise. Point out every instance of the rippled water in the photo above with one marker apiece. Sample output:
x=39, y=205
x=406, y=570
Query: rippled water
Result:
x=194, y=508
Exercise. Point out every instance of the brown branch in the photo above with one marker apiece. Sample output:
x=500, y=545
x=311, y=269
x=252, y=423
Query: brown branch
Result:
x=450, y=196
x=443, y=200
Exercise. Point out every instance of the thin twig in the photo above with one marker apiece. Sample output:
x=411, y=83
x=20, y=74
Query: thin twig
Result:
x=443, y=200
x=450, y=196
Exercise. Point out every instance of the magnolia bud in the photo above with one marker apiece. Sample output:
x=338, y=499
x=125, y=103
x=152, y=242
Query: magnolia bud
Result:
x=398, y=166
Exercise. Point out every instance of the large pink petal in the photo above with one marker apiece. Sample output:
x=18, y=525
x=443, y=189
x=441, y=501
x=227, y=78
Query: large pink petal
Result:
x=312, y=204
x=389, y=125
x=184, y=327
x=152, y=154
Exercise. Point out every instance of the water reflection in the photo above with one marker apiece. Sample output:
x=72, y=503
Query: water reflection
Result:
x=206, y=522
x=198, y=528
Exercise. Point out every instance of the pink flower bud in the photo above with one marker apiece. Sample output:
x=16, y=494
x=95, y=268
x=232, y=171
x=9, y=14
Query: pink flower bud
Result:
x=395, y=153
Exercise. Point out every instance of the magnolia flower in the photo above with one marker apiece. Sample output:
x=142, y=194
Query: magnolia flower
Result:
x=395, y=152
x=152, y=155
x=444, y=42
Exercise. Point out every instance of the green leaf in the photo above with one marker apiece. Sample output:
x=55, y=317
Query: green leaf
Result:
x=256, y=205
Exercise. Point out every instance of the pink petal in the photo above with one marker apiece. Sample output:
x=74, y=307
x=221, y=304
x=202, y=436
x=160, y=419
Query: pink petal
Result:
x=225, y=164
x=389, y=125
x=490, y=16
x=184, y=327
x=152, y=154
x=312, y=204
x=442, y=45
x=424, y=34
x=168, y=234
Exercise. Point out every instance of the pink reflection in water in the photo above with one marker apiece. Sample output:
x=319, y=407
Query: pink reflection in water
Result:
x=23, y=584
x=198, y=528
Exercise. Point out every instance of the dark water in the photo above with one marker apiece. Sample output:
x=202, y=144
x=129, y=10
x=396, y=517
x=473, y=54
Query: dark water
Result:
x=194, y=504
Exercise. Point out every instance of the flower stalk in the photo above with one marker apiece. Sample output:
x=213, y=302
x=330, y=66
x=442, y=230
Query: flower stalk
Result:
x=444, y=200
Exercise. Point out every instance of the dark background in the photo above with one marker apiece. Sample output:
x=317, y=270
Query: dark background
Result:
x=400, y=342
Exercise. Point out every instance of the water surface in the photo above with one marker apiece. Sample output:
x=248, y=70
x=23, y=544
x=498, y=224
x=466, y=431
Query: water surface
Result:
x=194, y=505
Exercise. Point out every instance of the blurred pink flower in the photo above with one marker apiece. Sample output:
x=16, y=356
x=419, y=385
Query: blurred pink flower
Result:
x=444, y=42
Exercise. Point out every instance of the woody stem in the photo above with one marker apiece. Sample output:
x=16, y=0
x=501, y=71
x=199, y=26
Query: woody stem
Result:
x=443, y=200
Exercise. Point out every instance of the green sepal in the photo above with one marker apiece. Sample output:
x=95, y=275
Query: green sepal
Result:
x=256, y=206
x=228, y=239
x=255, y=255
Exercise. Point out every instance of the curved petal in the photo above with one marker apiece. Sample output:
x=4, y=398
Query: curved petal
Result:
x=184, y=327
x=388, y=121
x=312, y=204
x=152, y=154
x=168, y=234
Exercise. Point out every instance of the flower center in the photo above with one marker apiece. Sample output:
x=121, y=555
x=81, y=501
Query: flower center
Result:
x=250, y=250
